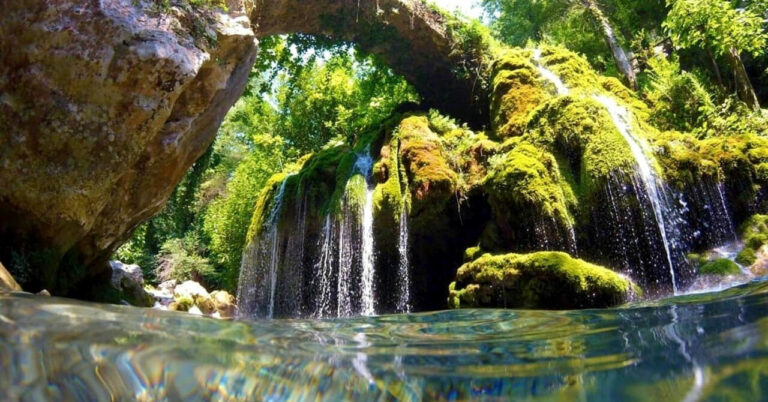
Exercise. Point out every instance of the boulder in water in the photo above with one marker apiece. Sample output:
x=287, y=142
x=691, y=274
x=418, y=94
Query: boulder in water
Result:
x=224, y=304
x=544, y=280
x=128, y=281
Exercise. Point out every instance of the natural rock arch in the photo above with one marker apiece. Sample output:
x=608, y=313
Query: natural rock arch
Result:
x=413, y=39
x=105, y=104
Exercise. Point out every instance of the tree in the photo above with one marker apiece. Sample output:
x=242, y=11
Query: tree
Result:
x=623, y=63
x=563, y=21
x=716, y=26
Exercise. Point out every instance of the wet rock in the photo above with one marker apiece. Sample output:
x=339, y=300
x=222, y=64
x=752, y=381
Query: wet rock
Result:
x=548, y=280
x=43, y=293
x=128, y=281
x=224, y=304
x=104, y=107
x=7, y=282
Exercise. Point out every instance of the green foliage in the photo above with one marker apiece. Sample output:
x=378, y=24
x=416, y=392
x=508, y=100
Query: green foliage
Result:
x=716, y=25
x=227, y=219
x=679, y=100
x=548, y=280
x=754, y=233
x=182, y=259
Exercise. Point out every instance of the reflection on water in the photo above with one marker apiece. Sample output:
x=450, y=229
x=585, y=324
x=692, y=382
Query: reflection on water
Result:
x=702, y=346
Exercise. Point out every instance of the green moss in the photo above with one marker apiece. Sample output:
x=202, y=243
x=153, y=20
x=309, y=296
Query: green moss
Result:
x=573, y=69
x=548, y=280
x=746, y=256
x=265, y=204
x=680, y=157
x=472, y=253
x=389, y=196
x=580, y=131
x=754, y=234
x=722, y=266
x=517, y=90
x=527, y=182
x=627, y=97
x=430, y=177
x=741, y=159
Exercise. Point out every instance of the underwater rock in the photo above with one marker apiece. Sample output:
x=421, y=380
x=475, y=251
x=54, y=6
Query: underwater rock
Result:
x=128, y=281
x=105, y=105
x=7, y=282
x=543, y=280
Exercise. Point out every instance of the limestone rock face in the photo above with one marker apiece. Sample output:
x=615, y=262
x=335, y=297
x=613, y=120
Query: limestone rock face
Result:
x=6, y=280
x=412, y=38
x=103, y=107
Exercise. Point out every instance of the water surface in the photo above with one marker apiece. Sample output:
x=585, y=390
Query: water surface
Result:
x=703, y=346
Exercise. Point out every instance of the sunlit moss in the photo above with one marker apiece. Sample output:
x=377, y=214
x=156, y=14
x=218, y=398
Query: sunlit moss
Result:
x=579, y=130
x=525, y=185
x=754, y=233
x=430, y=177
x=722, y=266
x=517, y=90
x=549, y=280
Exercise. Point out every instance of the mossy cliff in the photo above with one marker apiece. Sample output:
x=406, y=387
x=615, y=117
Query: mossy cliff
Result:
x=554, y=174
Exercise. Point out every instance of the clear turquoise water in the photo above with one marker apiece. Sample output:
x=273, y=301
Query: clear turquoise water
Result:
x=708, y=346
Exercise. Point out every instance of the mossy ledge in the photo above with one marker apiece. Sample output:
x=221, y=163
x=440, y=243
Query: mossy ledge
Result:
x=754, y=232
x=543, y=280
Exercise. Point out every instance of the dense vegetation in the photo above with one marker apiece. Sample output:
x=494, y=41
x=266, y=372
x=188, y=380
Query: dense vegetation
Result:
x=304, y=93
x=699, y=67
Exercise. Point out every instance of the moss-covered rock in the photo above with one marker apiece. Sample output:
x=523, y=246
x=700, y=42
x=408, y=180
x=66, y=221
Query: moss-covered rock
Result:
x=546, y=280
x=754, y=234
x=722, y=266
x=529, y=198
x=432, y=181
x=580, y=133
x=518, y=89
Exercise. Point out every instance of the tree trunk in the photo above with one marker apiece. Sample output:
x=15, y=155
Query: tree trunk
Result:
x=715, y=66
x=619, y=54
x=743, y=86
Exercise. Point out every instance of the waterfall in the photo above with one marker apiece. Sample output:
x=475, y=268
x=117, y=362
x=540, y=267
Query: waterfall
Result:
x=403, y=272
x=364, y=164
x=725, y=213
x=324, y=269
x=345, y=266
x=652, y=184
x=259, y=266
x=549, y=75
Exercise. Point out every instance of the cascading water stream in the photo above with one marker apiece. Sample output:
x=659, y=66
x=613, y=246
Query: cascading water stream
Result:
x=403, y=272
x=652, y=184
x=621, y=118
x=260, y=265
x=364, y=165
x=549, y=75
